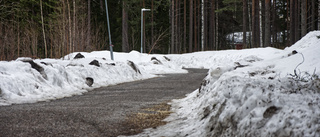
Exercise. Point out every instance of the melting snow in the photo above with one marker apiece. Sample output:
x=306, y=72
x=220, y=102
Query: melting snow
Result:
x=250, y=92
x=264, y=97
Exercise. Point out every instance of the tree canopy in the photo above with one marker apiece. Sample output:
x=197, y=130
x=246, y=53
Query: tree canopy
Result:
x=54, y=28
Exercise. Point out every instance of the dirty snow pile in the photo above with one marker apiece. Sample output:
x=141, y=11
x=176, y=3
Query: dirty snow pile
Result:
x=28, y=81
x=20, y=83
x=263, y=96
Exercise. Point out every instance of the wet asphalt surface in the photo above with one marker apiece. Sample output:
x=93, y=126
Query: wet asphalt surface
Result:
x=97, y=113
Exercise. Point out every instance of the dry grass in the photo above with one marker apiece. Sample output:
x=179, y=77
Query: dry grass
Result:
x=147, y=118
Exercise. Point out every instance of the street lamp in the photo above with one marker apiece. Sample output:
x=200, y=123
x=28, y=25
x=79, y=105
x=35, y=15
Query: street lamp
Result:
x=142, y=10
x=110, y=42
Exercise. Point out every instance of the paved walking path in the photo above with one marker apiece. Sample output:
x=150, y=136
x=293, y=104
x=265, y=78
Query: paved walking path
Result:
x=98, y=112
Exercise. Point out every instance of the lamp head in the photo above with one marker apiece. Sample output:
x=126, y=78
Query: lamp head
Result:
x=143, y=9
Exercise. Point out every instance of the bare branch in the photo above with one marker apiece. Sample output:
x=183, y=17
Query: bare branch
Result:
x=158, y=39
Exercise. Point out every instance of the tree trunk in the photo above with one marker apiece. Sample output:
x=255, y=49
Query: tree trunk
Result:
x=274, y=32
x=125, y=41
x=101, y=7
x=262, y=23
x=212, y=30
x=250, y=26
x=297, y=19
x=217, y=28
x=202, y=25
x=70, y=27
x=62, y=50
x=205, y=25
x=190, y=25
x=176, y=27
x=74, y=25
x=318, y=14
x=292, y=22
x=313, y=15
x=255, y=24
x=83, y=34
x=185, y=26
x=43, y=32
x=244, y=20
x=51, y=47
x=303, y=18
x=152, y=9
x=195, y=19
x=199, y=26
x=172, y=26
x=178, y=50
x=1, y=42
x=89, y=25
x=18, y=26
x=267, y=41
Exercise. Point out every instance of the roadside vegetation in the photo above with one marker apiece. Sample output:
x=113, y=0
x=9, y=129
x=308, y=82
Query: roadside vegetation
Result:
x=150, y=117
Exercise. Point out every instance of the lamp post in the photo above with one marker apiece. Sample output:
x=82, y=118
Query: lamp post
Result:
x=110, y=42
x=142, y=10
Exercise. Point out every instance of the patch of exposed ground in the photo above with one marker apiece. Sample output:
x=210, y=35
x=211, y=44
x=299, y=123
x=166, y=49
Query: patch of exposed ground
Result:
x=150, y=117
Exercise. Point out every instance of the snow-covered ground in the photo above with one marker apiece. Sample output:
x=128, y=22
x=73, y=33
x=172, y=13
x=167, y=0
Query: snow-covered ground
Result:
x=251, y=92
x=59, y=78
x=263, y=98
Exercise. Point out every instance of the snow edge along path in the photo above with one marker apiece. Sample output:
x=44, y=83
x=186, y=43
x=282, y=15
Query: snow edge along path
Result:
x=20, y=83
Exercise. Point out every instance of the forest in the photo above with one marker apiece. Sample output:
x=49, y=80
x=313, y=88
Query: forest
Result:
x=54, y=28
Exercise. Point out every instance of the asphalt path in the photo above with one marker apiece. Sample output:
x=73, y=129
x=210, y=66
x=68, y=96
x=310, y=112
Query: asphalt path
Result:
x=96, y=113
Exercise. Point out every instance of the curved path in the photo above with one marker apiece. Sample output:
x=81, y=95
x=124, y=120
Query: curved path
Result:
x=98, y=112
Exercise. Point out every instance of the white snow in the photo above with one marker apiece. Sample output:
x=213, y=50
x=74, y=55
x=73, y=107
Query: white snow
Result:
x=20, y=83
x=263, y=99
x=250, y=92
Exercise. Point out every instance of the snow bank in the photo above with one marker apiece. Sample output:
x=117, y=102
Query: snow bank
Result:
x=20, y=83
x=59, y=78
x=260, y=95
x=142, y=60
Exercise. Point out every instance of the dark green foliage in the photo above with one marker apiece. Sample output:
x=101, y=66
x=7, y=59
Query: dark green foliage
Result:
x=66, y=25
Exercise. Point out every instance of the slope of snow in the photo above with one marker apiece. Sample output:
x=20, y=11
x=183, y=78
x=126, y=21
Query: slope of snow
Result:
x=20, y=83
x=263, y=98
